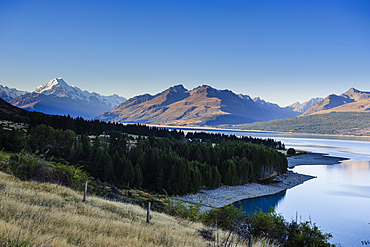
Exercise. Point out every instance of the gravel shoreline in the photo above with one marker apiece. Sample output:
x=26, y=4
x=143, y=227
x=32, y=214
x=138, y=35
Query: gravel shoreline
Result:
x=226, y=195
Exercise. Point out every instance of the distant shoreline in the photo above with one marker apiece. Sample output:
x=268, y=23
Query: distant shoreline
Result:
x=310, y=158
x=209, y=128
x=226, y=195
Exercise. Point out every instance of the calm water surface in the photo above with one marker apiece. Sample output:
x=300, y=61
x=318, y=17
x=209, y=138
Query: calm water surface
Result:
x=338, y=200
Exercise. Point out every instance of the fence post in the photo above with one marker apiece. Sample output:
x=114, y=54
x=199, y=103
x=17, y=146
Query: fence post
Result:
x=217, y=231
x=85, y=192
x=148, y=213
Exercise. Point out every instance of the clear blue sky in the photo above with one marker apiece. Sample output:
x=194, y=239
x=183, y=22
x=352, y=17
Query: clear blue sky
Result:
x=281, y=51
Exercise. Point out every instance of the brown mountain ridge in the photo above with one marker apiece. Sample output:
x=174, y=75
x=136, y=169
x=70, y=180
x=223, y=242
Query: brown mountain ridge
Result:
x=352, y=100
x=202, y=105
x=359, y=106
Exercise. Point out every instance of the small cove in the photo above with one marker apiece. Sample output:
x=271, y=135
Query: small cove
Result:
x=338, y=200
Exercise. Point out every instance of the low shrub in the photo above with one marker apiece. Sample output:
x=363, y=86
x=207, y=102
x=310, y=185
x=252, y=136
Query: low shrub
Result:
x=27, y=166
x=69, y=175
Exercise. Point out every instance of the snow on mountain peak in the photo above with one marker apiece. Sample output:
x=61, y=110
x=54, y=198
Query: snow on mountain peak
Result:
x=8, y=94
x=51, y=86
x=298, y=107
x=58, y=87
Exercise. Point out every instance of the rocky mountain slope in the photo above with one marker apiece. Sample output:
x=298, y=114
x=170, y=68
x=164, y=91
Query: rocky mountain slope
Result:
x=357, y=106
x=8, y=94
x=302, y=107
x=203, y=105
x=348, y=101
x=57, y=97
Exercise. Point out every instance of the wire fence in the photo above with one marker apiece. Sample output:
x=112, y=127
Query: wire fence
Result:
x=211, y=232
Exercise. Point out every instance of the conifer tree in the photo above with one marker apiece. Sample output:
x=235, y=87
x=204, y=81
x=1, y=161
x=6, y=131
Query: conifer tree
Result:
x=128, y=173
x=108, y=168
x=138, y=177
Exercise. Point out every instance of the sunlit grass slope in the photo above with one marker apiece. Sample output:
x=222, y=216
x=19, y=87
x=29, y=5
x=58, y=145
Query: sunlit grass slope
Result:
x=44, y=214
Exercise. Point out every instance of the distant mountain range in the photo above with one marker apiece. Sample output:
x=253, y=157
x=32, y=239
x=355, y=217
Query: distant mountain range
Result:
x=203, y=105
x=345, y=114
x=351, y=101
x=177, y=105
x=57, y=97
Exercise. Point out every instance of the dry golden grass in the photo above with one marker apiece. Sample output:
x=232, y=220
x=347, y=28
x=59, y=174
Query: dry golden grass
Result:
x=43, y=214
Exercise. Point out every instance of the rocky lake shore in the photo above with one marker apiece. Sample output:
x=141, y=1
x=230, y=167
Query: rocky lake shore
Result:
x=226, y=195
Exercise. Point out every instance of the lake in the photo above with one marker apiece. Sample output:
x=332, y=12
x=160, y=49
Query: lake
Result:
x=338, y=200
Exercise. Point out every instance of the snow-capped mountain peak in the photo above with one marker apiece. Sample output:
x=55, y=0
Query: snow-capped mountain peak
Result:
x=56, y=86
x=59, y=88
x=298, y=107
x=57, y=97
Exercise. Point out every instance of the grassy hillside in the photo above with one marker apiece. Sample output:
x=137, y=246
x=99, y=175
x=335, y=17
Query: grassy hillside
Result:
x=36, y=213
x=341, y=123
x=44, y=214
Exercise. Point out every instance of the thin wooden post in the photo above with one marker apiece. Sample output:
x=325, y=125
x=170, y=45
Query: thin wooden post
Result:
x=250, y=241
x=217, y=231
x=148, y=213
x=85, y=192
